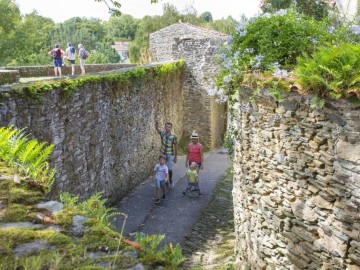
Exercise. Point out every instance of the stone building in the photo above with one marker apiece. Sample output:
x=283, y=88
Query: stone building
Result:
x=197, y=46
x=122, y=48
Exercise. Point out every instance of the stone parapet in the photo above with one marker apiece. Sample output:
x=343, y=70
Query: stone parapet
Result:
x=297, y=184
x=9, y=76
x=48, y=71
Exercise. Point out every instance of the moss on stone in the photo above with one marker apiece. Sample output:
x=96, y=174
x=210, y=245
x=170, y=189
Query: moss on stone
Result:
x=10, y=237
x=24, y=195
x=99, y=236
x=16, y=213
x=64, y=218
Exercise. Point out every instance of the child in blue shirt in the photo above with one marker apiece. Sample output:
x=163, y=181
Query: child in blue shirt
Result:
x=161, y=177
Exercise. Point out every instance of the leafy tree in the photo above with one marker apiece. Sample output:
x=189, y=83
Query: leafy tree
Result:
x=9, y=19
x=206, y=16
x=33, y=40
x=79, y=30
x=103, y=54
x=224, y=26
x=121, y=28
x=316, y=9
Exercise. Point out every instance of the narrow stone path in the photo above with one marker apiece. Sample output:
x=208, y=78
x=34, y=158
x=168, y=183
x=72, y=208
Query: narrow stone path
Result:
x=176, y=215
x=210, y=243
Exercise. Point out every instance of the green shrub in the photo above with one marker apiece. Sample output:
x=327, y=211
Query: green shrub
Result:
x=276, y=38
x=270, y=45
x=331, y=72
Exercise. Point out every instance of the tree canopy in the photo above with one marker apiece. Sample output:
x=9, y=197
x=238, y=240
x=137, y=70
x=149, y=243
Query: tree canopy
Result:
x=27, y=39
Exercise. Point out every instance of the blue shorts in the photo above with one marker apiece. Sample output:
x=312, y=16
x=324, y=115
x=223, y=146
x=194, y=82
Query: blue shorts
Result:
x=57, y=62
x=169, y=161
x=159, y=183
x=193, y=186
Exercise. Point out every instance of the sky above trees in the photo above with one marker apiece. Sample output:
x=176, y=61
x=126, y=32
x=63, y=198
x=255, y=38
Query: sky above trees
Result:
x=66, y=9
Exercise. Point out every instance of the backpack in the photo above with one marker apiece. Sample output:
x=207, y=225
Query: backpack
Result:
x=72, y=49
x=56, y=54
x=84, y=54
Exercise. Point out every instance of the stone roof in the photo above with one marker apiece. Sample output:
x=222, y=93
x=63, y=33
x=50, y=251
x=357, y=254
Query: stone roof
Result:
x=205, y=32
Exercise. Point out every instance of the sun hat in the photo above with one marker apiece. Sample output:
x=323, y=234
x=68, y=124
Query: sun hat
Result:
x=194, y=135
x=193, y=164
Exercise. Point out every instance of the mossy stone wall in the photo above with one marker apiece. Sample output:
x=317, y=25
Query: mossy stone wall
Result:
x=9, y=76
x=48, y=71
x=103, y=133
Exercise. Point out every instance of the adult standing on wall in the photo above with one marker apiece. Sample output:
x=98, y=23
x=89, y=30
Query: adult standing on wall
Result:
x=168, y=146
x=82, y=56
x=56, y=55
x=70, y=54
x=195, y=152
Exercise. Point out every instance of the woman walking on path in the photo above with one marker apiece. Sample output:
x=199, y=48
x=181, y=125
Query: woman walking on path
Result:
x=195, y=152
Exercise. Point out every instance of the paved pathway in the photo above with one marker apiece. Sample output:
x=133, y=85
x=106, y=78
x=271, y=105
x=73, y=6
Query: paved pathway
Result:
x=175, y=215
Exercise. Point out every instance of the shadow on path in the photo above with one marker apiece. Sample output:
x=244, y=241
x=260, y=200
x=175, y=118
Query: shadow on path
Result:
x=175, y=215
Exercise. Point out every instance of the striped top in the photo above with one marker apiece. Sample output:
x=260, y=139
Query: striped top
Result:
x=167, y=143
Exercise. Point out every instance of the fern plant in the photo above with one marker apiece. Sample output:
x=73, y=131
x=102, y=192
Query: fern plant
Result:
x=170, y=256
x=95, y=208
x=173, y=255
x=331, y=72
x=27, y=156
x=68, y=199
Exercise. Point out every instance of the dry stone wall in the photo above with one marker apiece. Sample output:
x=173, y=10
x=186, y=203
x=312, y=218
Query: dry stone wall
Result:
x=9, y=76
x=198, y=47
x=297, y=184
x=104, y=134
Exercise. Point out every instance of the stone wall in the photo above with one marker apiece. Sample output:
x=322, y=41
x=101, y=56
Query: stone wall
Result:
x=46, y=71
x=9, y=76
x=104, y=134
x=297, y=184
x=197, y=46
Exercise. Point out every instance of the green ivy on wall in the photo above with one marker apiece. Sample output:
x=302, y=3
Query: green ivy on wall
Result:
x=37, y=89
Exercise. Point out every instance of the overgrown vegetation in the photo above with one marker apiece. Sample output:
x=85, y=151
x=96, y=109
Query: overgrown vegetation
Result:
x=331, y=72
x=26, y=156
x=37, y=89
x=94, y=207
x=98, y=246
x=264, y=51
x=171, y=257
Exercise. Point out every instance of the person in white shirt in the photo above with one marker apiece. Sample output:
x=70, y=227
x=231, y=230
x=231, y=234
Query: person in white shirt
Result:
x=70, y=55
